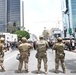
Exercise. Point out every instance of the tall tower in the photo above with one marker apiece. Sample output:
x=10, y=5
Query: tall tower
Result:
x=69, y=16
x=9, y=14
x=2, y=15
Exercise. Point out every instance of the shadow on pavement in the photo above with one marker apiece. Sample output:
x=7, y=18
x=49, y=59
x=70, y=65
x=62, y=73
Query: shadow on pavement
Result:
x=2, y=71
x=34, y=72
x=71, y=65
x=53, y=71
x=22, y=71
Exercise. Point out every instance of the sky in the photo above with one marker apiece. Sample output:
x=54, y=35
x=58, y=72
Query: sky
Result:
x=41, y=13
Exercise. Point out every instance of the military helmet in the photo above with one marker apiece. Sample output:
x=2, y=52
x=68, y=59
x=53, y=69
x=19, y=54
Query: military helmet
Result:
x=24, y=39
x=59, y=39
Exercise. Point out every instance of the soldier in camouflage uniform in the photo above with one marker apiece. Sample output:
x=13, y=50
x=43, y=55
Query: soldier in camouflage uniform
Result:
x=2, y=53
x=24, y=49
x=41, y=47
x=59, y=55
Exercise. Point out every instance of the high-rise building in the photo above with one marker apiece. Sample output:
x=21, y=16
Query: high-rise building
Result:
x=9, y=14
x=2, y=15
x=69, y=16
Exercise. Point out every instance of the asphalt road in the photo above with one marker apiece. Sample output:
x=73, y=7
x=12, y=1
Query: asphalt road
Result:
x=11, y=64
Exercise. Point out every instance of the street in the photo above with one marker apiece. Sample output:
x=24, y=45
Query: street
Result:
x=11, y=64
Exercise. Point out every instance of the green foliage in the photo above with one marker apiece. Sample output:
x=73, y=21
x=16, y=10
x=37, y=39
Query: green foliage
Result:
x=22, y=33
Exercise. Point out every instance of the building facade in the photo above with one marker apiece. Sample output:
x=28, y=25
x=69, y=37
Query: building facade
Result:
x=2, y=15
x=9, y=14
x=69, y=17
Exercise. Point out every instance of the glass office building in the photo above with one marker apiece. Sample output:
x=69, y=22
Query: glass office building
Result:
x=9, y=13
x=2, y=15
x=69, y=16
x=73, y=8
x=13, y=7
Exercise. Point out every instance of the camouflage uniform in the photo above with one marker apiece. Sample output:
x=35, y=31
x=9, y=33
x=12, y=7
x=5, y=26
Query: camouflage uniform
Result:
x=59, y=55
x=2, y=53
x=41, y=47
x=24, y=50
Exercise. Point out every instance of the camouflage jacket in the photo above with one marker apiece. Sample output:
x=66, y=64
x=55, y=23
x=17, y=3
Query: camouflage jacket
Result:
x=59, y=48
x=24, y=49
x=41, y=45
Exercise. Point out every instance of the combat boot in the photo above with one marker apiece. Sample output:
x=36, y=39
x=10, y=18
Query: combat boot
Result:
x=27, y=70
x=64, y=71
x=3, y=69
x=38, y=71
x=46, y=71
x=19, y=71
x=26, y=67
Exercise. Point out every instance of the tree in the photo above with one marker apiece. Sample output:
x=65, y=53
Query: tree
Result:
x=22, y=33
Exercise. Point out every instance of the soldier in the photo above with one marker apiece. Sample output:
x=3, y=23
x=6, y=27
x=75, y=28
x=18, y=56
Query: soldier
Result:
x=59, y=55
x=24, y=49
x=2, y=53
x=41, y=47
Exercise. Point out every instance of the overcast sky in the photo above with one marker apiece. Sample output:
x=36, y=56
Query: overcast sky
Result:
x=41, y=13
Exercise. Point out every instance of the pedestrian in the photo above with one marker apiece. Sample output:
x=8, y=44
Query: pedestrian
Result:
x=24, y=49
x=2, y=53
x=41, y=47
x=59, y=54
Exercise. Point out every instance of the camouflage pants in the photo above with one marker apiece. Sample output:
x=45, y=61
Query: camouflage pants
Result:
x=1, y=62
x=25, y=60
x=44, y=58
x=57, y=59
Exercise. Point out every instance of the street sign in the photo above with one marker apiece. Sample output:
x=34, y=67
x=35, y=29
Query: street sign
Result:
x=70, y=30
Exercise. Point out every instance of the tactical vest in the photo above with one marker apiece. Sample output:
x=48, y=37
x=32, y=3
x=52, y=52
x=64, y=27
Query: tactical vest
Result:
x=60, y=48
x=24, y=50
x=42, y=47
x=24, y=47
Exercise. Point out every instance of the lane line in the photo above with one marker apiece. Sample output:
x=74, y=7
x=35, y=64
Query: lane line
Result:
x=10, y=57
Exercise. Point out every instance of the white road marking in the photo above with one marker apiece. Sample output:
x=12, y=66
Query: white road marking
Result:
x=10, y=57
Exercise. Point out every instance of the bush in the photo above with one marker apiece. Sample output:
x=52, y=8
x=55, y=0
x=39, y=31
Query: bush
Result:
x=21, y=34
